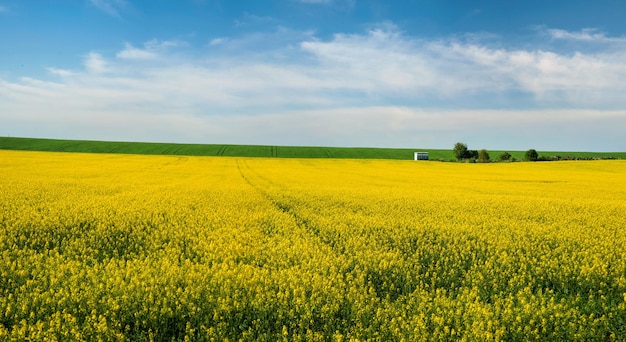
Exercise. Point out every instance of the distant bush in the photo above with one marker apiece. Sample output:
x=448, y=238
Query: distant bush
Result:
x=548, y=158
x=506, y=156
x=483, y=156
x=531, y=155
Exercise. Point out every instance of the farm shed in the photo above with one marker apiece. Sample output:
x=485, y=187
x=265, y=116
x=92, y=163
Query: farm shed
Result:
x=420, y=156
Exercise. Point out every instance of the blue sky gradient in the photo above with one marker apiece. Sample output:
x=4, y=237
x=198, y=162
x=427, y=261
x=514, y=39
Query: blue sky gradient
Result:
x=511, y=75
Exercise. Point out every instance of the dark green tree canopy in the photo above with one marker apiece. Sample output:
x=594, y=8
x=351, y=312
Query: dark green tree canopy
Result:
x=460, y=151
x=531, y=155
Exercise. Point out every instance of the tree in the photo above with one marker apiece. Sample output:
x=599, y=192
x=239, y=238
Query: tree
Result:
x=531, y=155
x=460, y=151
x=506, y=156
x=483, y=156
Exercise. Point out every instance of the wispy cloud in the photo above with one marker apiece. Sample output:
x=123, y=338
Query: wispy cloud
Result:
x=61, y=72
x=584, y=35
x=384, y=62
x=151, y=50
x=94, y=63
x=110, y=7
x=218, y=41
x=131, y=52
x=381, y=88
x=3, y=9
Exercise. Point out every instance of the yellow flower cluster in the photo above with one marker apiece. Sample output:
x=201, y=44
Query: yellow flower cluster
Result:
x=125, y=248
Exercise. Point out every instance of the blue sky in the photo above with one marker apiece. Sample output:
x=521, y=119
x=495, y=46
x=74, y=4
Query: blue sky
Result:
x=549, y=75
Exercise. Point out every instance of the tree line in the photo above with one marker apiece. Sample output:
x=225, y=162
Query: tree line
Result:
x=461, y=152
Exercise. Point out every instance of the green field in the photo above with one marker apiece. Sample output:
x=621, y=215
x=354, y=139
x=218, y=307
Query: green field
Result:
x=90, y=146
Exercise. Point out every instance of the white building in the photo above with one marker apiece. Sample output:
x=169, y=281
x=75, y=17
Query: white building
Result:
x=420, y=156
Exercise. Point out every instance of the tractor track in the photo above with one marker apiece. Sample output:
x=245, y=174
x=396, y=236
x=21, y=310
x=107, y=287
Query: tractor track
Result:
x=285, y=207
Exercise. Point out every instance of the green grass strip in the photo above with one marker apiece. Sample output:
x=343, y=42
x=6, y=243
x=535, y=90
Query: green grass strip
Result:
x=92, y=146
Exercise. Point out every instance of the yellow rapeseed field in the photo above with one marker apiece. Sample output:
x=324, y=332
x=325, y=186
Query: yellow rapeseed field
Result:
x=126, y=248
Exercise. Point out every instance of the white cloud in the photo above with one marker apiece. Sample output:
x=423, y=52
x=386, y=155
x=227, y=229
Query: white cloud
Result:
x=95, y=63
x=131, y=52
x=60, y=72
x=152, y=49
x=585, y=35
x=110, y=7
x=218, y=41
x=3, y=9
x=380, y=88
x=378, y=63
x=384, y=62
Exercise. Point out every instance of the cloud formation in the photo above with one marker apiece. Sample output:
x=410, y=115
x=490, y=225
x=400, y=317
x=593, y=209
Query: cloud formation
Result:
x=384, y=62
x=378, y=88
x=110, y=7
x=95, y=63
x=131, y=52
x=586, y=35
